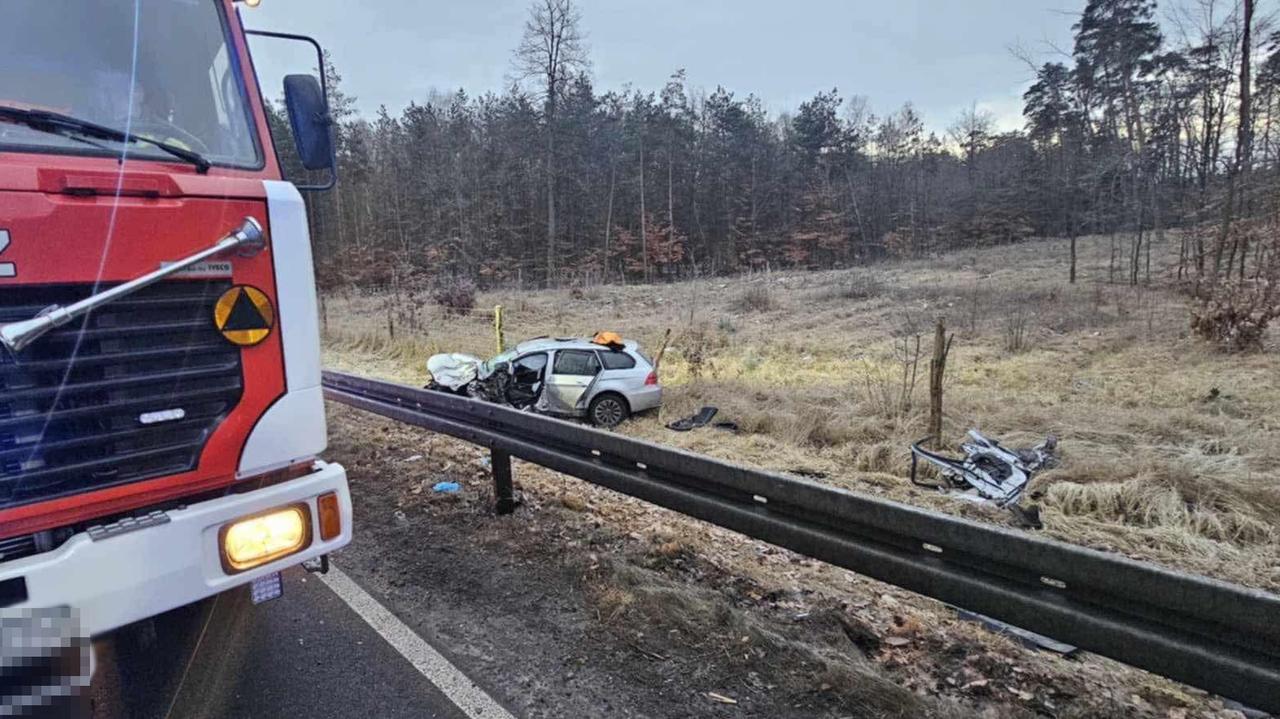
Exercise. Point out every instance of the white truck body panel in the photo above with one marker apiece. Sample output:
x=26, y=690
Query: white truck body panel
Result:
x=294, y=427
x=134, y=575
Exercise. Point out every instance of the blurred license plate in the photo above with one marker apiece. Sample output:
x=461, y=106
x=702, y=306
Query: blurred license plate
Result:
x=264, y=589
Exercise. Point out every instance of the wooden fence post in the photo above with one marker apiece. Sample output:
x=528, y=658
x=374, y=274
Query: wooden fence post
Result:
x=657, y=359
x=937, y=367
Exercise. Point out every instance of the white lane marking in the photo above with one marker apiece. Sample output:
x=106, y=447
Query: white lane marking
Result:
x=463, y=692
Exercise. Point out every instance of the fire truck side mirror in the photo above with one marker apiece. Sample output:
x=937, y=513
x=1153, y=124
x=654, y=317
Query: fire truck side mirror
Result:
x=310, y=121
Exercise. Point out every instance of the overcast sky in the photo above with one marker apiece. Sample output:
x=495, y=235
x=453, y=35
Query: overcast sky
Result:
x=942, y=55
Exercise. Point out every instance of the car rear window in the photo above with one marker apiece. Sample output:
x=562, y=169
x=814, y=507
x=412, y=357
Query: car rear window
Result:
x=617, y=360
x=577, y=362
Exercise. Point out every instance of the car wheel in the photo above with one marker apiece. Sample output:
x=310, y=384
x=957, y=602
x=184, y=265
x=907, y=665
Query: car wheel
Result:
x=608, y=410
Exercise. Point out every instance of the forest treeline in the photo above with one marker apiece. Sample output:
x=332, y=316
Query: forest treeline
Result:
x=1135, y=131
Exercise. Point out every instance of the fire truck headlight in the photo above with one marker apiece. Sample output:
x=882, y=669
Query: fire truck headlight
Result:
x=254, y=541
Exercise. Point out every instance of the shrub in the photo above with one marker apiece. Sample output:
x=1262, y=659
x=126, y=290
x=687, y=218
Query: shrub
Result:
x=696, y=348
x=860, y=286
x=889, y=386
x=456, y=295
x=1015, y=329
x=1234, y=315
x=1232, y=308
x=757, y=298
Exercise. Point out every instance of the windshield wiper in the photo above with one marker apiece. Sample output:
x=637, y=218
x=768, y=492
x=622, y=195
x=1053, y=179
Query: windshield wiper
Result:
x=59, y=124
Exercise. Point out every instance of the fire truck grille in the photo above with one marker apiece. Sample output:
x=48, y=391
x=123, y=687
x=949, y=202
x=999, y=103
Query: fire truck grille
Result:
x=132, y=391
x=17, y=547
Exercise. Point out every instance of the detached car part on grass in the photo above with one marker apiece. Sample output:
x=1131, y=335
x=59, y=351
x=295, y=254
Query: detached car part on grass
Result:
x=988, y=471
x=602, y=382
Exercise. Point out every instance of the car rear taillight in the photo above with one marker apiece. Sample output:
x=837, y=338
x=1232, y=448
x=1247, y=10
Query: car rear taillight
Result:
x=652, y=378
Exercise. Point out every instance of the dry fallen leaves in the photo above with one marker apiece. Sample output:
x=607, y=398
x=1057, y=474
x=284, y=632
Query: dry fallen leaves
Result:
x=906, y=626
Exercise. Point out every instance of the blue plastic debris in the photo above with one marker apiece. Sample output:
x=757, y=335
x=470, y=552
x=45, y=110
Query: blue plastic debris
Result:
x=447, y=487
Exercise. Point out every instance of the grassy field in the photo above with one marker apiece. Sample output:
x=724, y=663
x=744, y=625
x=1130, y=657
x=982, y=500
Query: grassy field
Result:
x=1170, y=450
x=1169, y=453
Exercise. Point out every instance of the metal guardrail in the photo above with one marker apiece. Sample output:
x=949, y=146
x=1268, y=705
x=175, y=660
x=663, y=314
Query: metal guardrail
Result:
x=1214, y=635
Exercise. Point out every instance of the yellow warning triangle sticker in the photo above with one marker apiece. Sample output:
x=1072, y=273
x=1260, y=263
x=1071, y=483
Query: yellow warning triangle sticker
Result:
x=244, y=315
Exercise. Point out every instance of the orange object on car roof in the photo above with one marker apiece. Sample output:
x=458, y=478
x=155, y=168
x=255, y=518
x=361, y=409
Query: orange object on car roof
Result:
x=612, y=340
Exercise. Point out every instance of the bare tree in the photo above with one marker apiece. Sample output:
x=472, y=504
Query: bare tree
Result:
x=552, y=50
x=644, y=230
x=971, y=132
x=1244, y=142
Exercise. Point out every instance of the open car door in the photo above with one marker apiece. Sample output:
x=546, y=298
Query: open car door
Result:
x=527, y=380
x=572, y=375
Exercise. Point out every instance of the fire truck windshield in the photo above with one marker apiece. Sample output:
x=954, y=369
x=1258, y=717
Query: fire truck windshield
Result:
x=167, y=74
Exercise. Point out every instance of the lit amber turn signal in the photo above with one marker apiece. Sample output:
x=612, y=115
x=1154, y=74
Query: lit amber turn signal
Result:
x=330, y=516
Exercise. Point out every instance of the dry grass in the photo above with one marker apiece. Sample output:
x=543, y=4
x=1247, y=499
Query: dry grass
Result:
x=756, y=298
x=1171, y=450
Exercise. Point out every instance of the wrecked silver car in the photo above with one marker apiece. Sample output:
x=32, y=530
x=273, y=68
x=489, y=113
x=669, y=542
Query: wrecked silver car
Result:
x=603, y=383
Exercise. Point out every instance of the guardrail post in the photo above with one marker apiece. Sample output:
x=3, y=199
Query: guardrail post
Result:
x=503, y=490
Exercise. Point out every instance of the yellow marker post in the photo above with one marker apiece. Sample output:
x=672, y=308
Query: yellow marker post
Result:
x=497, y=327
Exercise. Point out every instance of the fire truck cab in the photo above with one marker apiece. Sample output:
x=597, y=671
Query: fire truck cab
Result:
x=161, y=414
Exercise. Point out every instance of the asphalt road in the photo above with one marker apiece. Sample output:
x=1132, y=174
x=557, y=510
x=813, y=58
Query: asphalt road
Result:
x=307, y=654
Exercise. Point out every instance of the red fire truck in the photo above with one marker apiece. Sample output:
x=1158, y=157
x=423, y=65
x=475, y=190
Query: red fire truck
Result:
x=161, y=415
